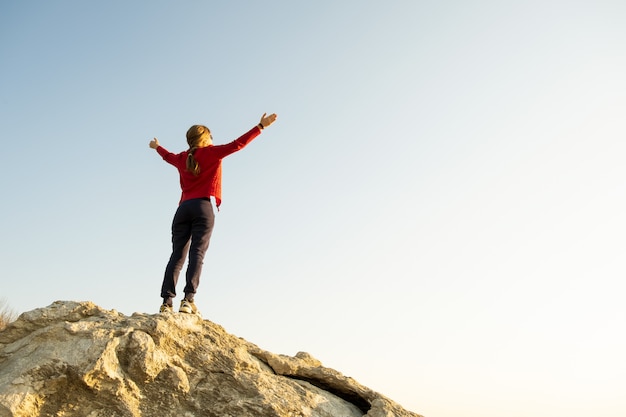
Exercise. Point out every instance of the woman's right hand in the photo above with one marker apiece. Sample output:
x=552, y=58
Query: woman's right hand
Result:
x=267, y=120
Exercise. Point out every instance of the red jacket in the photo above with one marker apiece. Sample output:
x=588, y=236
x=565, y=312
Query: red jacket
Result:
x=209, y=182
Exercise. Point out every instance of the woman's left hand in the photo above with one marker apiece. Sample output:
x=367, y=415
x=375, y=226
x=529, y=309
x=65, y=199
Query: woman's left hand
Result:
x=154, y=143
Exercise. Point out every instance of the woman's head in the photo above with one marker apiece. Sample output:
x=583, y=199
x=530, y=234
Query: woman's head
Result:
x=198, y=136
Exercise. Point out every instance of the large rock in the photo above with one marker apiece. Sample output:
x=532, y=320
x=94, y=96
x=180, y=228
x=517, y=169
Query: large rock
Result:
x=76, y=359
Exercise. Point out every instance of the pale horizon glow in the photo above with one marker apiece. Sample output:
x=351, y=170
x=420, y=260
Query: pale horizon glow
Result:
x=438, y=212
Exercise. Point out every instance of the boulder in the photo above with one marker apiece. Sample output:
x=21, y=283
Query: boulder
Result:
x=76, y=359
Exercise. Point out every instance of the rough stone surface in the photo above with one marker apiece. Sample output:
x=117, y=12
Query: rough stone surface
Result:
x=75, y=359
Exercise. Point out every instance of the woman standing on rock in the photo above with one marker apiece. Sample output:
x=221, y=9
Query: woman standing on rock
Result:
x=200, y=171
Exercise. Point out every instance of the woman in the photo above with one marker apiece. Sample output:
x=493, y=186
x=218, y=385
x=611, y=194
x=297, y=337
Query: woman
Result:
x=200, y=171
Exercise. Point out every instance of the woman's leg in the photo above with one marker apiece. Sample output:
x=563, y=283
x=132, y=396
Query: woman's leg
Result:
x=201, y=229
x=181, y=233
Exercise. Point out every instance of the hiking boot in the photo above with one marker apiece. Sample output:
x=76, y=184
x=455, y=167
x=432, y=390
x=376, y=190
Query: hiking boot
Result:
x=166, y=308
x=188, y=307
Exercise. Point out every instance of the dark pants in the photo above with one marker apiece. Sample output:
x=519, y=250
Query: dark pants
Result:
x=191, y=231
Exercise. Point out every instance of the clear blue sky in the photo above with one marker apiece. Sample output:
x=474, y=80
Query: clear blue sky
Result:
x=439, y=211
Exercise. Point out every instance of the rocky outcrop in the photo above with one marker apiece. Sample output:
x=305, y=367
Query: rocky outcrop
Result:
x=76, y=359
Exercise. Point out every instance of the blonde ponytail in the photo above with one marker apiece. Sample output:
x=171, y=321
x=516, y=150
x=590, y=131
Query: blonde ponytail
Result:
x=192, y=164
x=197, y=137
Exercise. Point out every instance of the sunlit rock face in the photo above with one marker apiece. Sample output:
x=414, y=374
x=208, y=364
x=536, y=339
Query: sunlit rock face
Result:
x=76, y=359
